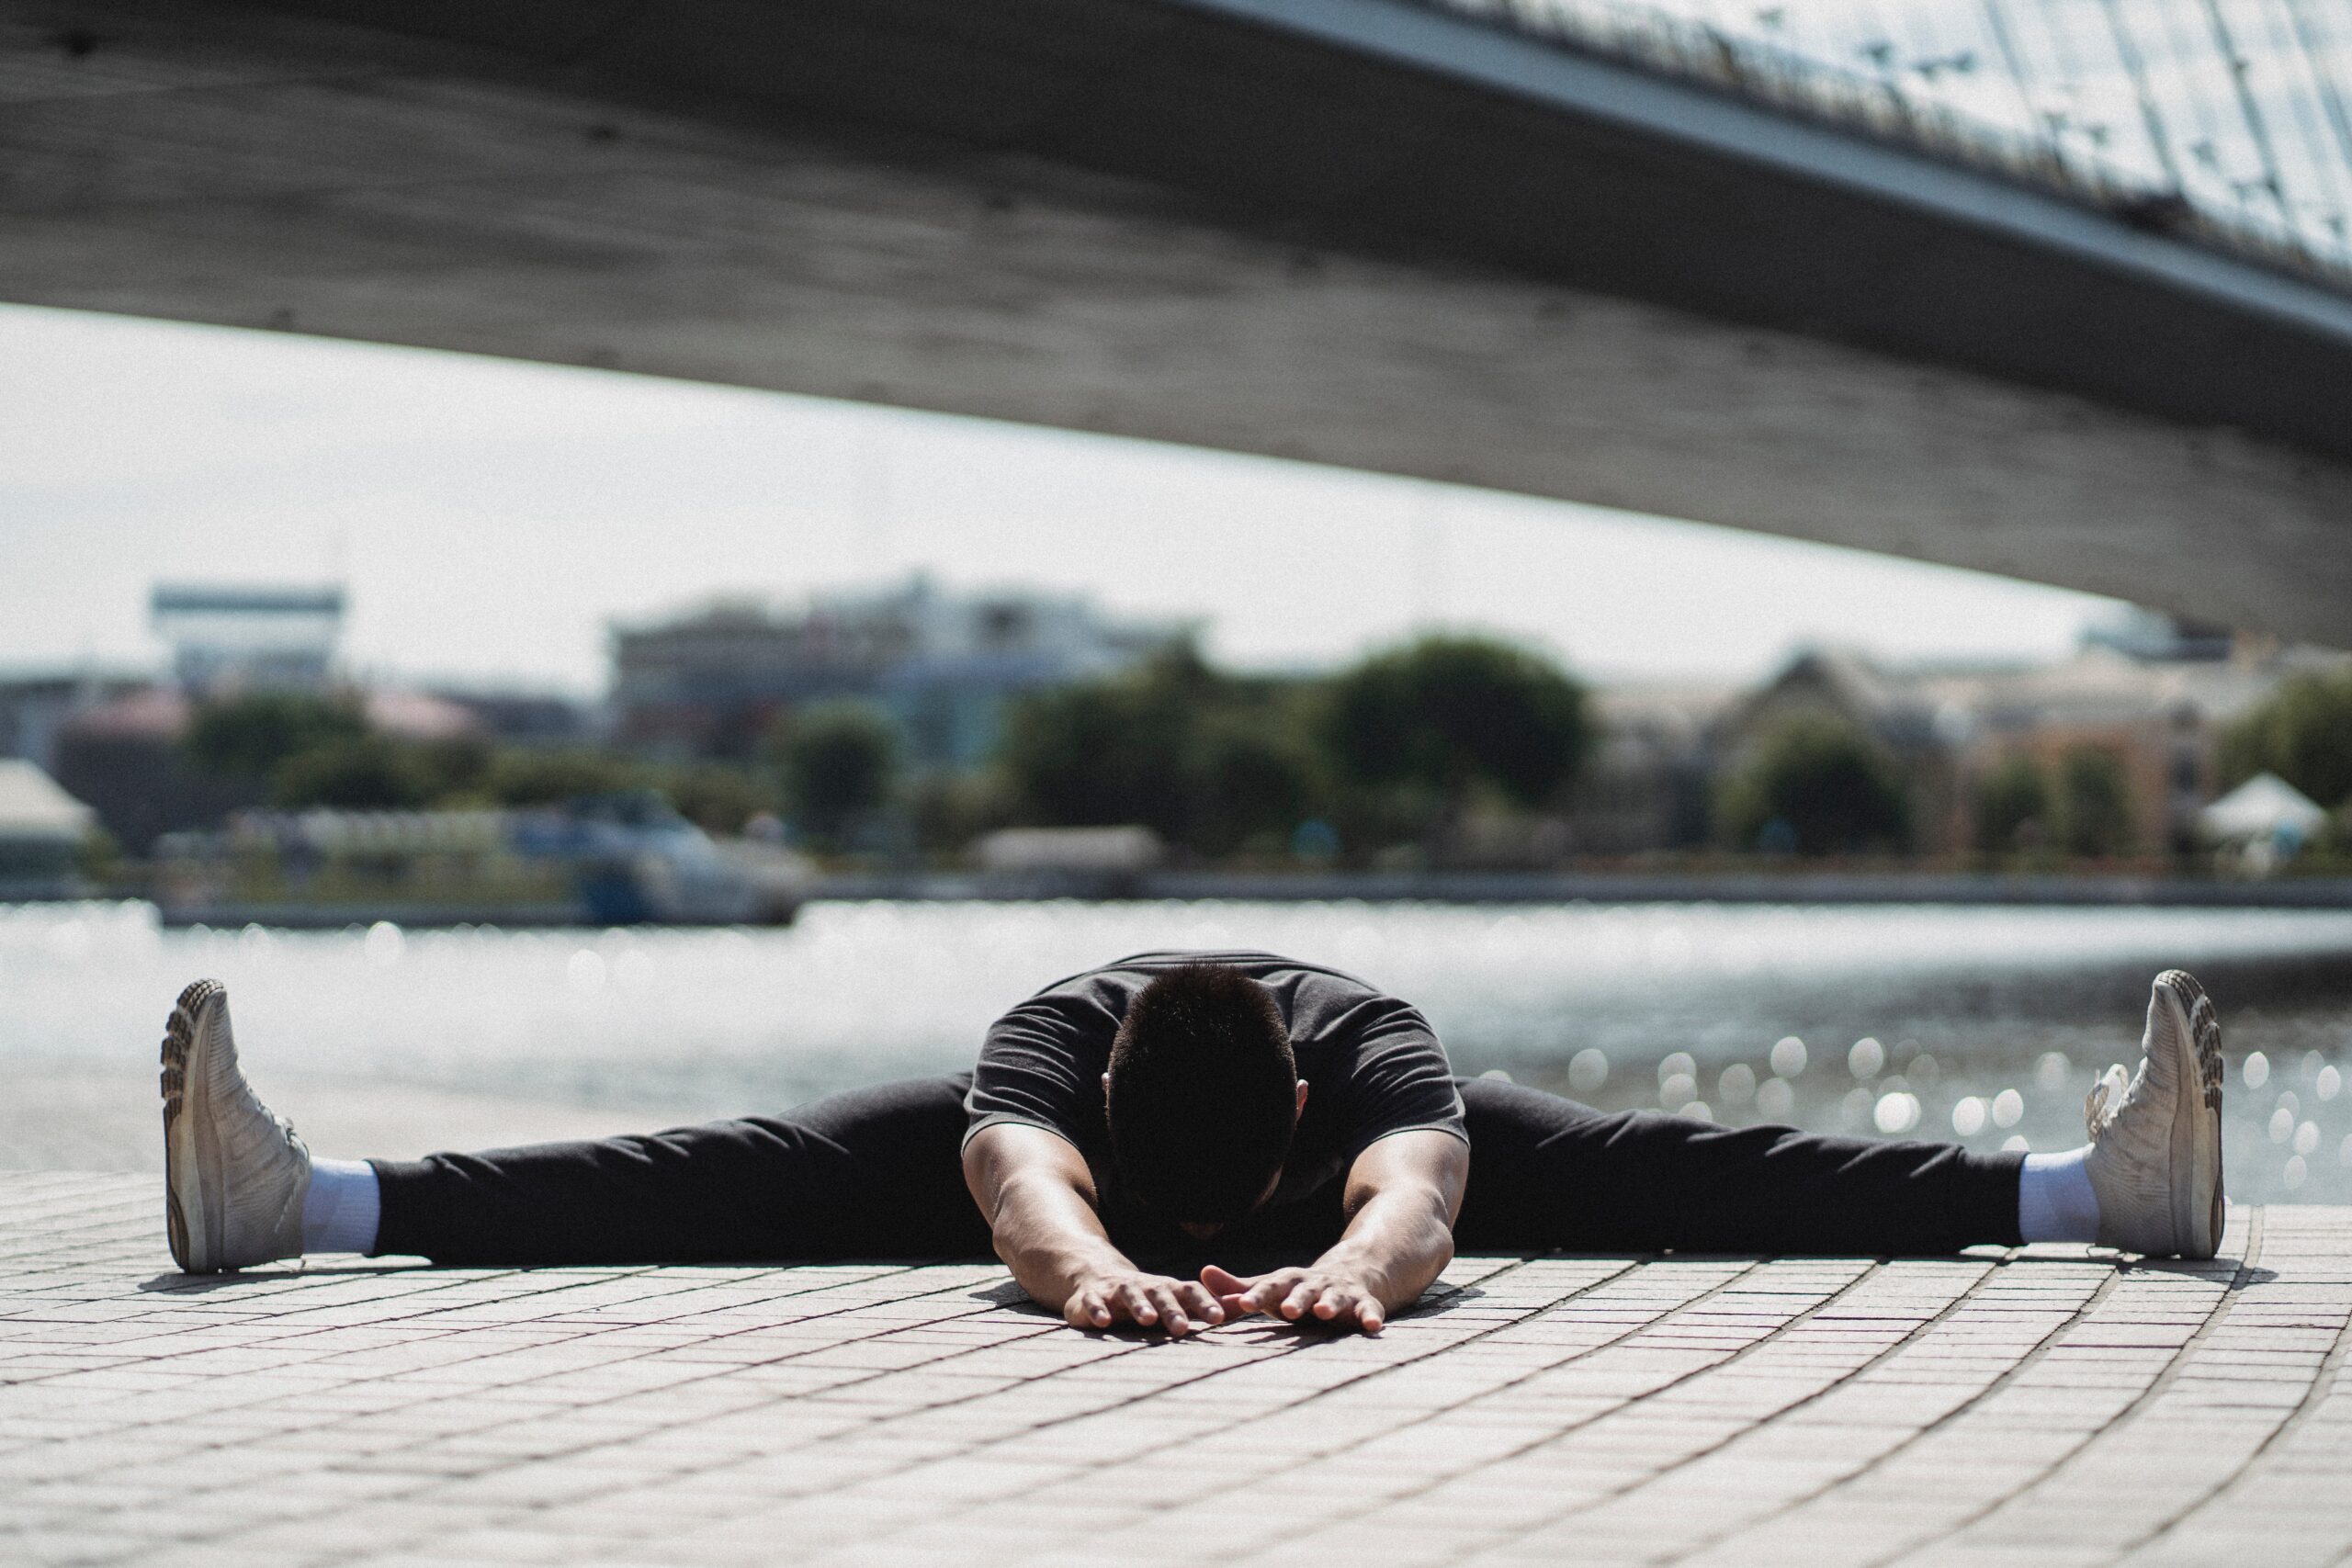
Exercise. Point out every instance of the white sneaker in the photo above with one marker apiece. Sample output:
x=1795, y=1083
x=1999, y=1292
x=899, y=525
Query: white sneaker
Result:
x=234, y=1174
x=2155, y=1160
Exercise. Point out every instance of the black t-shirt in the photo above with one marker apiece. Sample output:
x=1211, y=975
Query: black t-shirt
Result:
x=1372, y=1064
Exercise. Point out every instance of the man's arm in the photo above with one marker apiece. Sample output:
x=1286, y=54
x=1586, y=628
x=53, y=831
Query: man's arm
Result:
x=1403, y=1195
x=1038, y=1198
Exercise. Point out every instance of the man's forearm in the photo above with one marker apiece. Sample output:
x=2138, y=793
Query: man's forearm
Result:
x=1051, y=1238
x=1396, y=1244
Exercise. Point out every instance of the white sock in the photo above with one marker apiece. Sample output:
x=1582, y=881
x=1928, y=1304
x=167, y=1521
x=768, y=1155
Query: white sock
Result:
x=340, y=1211
x=2055, y=1198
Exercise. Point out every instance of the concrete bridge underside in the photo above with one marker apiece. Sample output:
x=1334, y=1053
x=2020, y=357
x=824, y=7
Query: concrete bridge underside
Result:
x=1215, y=222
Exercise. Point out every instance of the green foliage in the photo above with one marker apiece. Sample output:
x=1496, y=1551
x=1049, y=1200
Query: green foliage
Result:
x=358, y=773
x=2012, y=805
x=1251, y=784
x=839, y=763
x=1206, y=760
x=2303, y=733
x=2094, y=816
x=552, y=777
x=718, y=797
x=1101, y=754
x=949, y=810
x=1445, y=716
x=98, y=857
x=1820, y=786
x=250, y=737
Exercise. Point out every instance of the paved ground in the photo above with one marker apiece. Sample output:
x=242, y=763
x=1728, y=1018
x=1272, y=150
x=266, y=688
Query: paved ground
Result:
x=2046, y=1406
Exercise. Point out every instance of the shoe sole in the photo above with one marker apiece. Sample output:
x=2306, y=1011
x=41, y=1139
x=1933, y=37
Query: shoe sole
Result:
x=193, y=1202
x=2200, y=1208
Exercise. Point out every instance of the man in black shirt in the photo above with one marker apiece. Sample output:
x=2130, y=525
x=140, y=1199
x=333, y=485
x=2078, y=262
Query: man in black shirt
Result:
x=1204, y=1107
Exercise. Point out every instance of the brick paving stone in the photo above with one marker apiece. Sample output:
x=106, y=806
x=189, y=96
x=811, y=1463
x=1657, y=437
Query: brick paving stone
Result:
x=2046, y=1406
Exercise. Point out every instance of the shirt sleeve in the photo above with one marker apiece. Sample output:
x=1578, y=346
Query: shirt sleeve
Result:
x=1042, y=1066
x=1392, y=1073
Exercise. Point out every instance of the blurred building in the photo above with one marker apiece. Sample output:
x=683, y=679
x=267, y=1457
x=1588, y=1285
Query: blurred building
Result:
x=126, y=758
x=41, y=829
x=1922, y=715
x=944, y=666
x=34, y=708
x=232, y=637
x=2154, y=694
x=523, y=718
x=1648, y=783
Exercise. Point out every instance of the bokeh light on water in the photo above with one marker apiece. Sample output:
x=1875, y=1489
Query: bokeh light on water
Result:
x=1987, y=1025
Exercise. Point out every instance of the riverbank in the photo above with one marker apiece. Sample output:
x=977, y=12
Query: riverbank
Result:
x=1842, y=888
x=1577, y=888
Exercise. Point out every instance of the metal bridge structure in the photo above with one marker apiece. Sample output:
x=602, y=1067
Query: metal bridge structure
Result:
x=2057, y=288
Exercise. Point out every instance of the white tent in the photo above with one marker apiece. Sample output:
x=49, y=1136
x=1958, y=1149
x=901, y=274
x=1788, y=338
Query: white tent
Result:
x=33, y=809
x=2265, y=807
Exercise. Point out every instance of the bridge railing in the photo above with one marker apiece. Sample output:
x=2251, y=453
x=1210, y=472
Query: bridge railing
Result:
x=2249, y=155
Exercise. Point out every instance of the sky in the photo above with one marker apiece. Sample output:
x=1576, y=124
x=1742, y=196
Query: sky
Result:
x=492, y=519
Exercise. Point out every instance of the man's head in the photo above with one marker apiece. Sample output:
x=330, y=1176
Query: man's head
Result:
x=1203, y=1093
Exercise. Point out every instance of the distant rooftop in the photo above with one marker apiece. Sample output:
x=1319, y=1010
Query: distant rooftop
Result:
x=175, y=599
x=230, y=634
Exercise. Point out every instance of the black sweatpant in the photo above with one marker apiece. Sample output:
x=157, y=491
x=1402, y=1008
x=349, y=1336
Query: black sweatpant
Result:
x=877, y=1173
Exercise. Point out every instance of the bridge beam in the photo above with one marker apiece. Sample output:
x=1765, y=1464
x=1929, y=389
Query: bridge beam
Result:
x=1209, y=222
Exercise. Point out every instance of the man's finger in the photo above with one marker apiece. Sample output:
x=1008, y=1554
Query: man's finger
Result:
x=1170, y=1311
x=1332, y=1302
x=1199, y=1304
x=1086, y=1310
x=1295, y=1305
x=1137, y=1305
x=1269, y=1289
x=1370, y=1316
x=1223, y=1282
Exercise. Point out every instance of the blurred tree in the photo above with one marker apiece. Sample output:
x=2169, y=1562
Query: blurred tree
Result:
x=100, y=857
x=535, y=777
x=1816, y=785
x=2094, y=812
x=1102, y=753
x=457, y=771
x=2302, y=732
x=1446, y=716
x=355, y=773
x=839, y=763
x=1209, y=761
x=718, y=797
x=2012, y=805
x=249, y=736
x=1250, y=783
x=949, y=810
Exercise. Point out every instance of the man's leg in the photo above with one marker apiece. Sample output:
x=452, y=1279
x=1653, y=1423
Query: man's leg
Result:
x=873, y=1172
x=1546, y=1172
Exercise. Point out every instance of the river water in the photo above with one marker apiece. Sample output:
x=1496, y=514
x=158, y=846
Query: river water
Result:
x=1986, y=1024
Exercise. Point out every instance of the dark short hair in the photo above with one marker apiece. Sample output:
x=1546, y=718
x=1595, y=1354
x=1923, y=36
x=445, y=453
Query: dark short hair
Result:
x=1204, y=1094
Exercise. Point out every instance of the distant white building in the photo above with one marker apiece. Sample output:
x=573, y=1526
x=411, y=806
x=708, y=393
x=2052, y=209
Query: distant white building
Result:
x=231, y=638
x=943, y=665
x=2264, y=822
x=41, y=829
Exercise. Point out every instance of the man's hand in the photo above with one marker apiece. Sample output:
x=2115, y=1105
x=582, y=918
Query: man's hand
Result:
x=1038, y=1196
x=1178, y=1306
x=1321, y=1293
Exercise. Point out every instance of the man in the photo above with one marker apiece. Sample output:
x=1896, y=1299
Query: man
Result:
x=1206, y=1107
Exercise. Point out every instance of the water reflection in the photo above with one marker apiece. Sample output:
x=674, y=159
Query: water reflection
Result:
x=1998, y=1018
